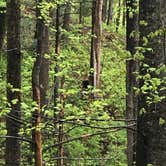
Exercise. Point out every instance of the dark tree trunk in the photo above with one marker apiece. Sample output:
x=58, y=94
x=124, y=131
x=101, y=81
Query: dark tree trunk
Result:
x=131, y=69
x=104, y=10
x=13, y=81
x=124, y=13
x=81, y=13
x=110, y=12
x=151, y=133
x=95, y=59
x=57, y=51
x=67, y=17
x=2, y=25
x=44, y=68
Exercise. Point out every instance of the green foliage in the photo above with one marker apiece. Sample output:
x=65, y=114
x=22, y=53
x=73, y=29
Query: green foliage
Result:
x=84, y=116
x=2, y=3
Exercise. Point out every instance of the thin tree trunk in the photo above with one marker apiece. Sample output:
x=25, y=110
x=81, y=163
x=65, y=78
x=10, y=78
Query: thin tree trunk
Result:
x=2, y=25
x=67, y=17
x=131, y=69
x=104, y=10
x=60, y=115
x=14, y=82
x=110, y=12
x=124, y=13
x=57, y=51
x=95, y=59
x=39, y=86
x=81, y=13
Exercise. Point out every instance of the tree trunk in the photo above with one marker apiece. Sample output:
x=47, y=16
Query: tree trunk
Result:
x=67, y=17
x=124, y=13
x=131, y=69
x=59, y=114
x=110, y=12
x=95, y=59
x=44, y=68
x=151, y=133
x=104, y=10
x=81, y=13
x=14, y=82
x=2, y=25
x=40, y=81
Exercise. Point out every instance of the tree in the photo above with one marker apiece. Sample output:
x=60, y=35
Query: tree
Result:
x=95, y=59
x=104, y=10
x=40, y=80
x=131, y=80
x=13, y=83
x=151, y=131
x=110, y=11
x=2, y=25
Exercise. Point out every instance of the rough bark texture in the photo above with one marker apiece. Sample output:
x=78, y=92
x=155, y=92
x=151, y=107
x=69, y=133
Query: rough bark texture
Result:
x=2, y=25
x=43, y=49
x=14, y=81
x=151, y=136
x=131, y=69
x=44, y=68
x=95, y=60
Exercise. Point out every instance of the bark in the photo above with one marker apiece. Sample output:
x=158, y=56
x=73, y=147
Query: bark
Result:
x=151, y=133
x=124, y=13
x=13, y=81
x=44, y=68
x=110, y=12
x=104, y=10
x=40, y=81
x=95, y=59
x=2, y=25
x=59, y=114
x=131, y=69
x=81, y=13
x=67, y=17
x=57, y=51
x=60, y=161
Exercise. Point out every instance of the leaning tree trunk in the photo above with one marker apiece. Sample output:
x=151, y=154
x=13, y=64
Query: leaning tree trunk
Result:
x=95, y=60
x=131, y=69
x=151, y=135
x=14, y=82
